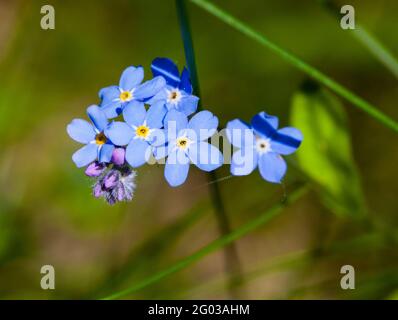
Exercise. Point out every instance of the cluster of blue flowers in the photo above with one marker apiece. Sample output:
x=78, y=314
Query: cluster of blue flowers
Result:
x=157, y=120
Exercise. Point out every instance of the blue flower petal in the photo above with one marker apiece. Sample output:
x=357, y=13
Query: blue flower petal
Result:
x=138, y=152
x=175, y=120
x=188, y=104
x=85, y=155
x=204, y=124
x=272, y=167
x=160, y=152
x=166, y=68
x=239, y=133
x=134, y=113
x=185, y=83
x=244, y=161
x=161, y=95
x=112, y=109
x=264, y=124
x=205, y=156
x=157, y=137
x=119, y=133
x=131, y=77
x=105, y=153
x=108, y=94
x=286, y=140
x=81, y=131
x=98, y=117
x=150, y=88
x=176, y=168
x=156, y=114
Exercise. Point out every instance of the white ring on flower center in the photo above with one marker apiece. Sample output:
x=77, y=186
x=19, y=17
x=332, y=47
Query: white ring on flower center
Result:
x=174, y=96
x=263, y=145
x=183, y=142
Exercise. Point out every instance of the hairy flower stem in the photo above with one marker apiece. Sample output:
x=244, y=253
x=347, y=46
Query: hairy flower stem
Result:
x=232, y=263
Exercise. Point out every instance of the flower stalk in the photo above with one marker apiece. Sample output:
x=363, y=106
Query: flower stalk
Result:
x=231, y=258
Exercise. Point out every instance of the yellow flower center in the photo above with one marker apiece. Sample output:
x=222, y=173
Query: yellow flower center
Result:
x=100, y=139
x=125, y=96
x=183, y=143
x=142, y=131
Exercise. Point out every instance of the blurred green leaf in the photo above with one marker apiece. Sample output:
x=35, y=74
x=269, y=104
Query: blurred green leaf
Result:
x=393, y=296
x=326, y=153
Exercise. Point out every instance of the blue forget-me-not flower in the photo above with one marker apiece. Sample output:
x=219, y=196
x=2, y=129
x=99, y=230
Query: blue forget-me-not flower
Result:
x=130, y=90
x=177, y=94
x=262, y=145
x=141, y=131
x=97, y=144
x=187, y=142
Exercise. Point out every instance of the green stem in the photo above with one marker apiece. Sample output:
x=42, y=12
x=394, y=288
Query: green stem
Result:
x=213, y=246
x=150, y=250
x=232, y=263
x=362, y=244
x=375, y=47
x=298, y=63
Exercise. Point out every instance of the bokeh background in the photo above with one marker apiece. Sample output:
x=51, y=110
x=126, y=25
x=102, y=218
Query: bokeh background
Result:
x=348, y=161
